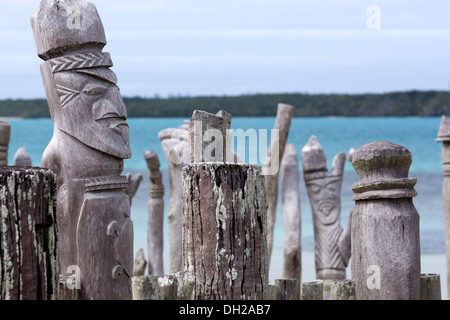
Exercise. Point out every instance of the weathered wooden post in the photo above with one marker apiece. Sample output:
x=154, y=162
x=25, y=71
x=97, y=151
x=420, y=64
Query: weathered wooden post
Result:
x=89, y=143
x=430, y=286
x=385, y=225
x=290, y=182
x=275, y=153
x=155, y=216
x=139, y=264
x=332, y=250
x=342, y=289
x=288, y=289
x=5, y=135
x=22, y=158
x=312, y=290
x=28, y=234
x=444, y=137
x=224, y=208
x=134, y=182
x=152, y=287
x=176, y=146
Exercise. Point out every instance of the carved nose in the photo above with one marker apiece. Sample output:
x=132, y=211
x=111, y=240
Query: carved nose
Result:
x=104, y=109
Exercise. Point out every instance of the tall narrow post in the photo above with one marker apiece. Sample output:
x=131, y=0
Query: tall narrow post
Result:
x=224, y=209
x=275, y=154
x=175, y=143
x=385, y=225
x=5, y=135
x=444, y=137
x=324, y=192
x=90, y=141
x=290, y=181
x=155, y=219
x=28, y=234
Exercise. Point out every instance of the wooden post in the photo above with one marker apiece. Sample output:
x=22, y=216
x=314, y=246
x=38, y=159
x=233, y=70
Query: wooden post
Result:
x=430, y=286
x=223, y=230
x=175, y=143
x=288, y=289
x=5, y=135
x=186, y=285
x=28, y=234
x=22, y=158
x=274, y=155
x=290, y=181
x=385, y=225
x=312, y=290
x=155, y=216
x=139, y=264
x=89, y=143
x=324, y=191
x=155, y=288
x=342, y=290
x=444, y=137
x=133, y=184
x=273, y=292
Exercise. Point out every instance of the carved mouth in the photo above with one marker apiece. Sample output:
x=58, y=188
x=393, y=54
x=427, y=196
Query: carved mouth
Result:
x=326, y=207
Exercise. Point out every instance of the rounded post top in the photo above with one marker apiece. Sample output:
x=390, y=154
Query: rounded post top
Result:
x=382, y=168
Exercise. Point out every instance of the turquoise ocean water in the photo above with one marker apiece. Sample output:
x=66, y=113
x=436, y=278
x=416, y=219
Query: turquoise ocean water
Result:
x=335, y=135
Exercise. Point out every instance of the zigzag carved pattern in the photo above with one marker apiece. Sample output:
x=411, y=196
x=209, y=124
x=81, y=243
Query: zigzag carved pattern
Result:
x=80, y=61
x=326, y=247
x=66, y=94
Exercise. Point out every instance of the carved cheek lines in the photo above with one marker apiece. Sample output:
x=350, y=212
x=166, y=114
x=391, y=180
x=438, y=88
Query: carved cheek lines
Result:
x=66, y=94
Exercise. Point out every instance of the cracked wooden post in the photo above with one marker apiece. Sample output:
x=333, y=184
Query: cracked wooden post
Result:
x=430, y=286
x=290, y=181
x=28, y=234
x=155, y=219
x=288, y=289
x=274, y=155
x=332, y=242
x=154, y=287
x=342, y=290
x=175, y=143
x=312, y=290
x=5, y=135
x=224, y=208
x=385, y=225
x=90, y=141
x=273, y=292
x=444, y=137
x=22, y=158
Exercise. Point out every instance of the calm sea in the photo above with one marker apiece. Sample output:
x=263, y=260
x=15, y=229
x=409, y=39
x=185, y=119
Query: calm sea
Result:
x=335, y=135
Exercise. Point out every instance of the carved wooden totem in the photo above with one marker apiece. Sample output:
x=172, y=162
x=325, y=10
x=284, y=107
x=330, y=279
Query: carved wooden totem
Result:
x=324, y=192
x=90, y=141
x=5, y=135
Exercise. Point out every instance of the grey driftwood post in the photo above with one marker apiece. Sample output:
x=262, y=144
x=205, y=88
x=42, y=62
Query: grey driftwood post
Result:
x=342, y=289
x=134, y=182
x=290, y=182
x=444, y=137
x=224, y=208
x=312, y=290
x=288, y=289
x=385, y=225
x=139, y=264
x=155, y=216
x=28, y=234
x=175, y=143
x=430, y=286
x=275, y=153
x=5, y=135
x=332, y=247
x=22, y=158
x=89, y=143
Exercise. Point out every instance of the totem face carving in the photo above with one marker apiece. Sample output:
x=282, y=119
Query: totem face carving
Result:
x=88, y=106
x=325, y=198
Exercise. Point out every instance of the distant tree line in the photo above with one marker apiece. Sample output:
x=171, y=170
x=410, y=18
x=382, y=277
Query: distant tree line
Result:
x=410, y=103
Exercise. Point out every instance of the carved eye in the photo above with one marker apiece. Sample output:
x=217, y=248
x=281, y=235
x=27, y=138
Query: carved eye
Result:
x=95, y=90
x=332, y=188
x=315, y=188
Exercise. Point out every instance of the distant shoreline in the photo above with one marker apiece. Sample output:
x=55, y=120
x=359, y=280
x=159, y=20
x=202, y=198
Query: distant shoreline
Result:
x=393, y=104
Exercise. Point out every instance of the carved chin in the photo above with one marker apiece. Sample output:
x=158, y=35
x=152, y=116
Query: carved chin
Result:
x=327, y=213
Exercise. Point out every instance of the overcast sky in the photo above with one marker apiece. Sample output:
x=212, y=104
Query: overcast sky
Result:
x=216, y=47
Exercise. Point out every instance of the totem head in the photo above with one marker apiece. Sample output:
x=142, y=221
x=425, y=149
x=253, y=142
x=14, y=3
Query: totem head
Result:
x=324, y=187
x=82, y=92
